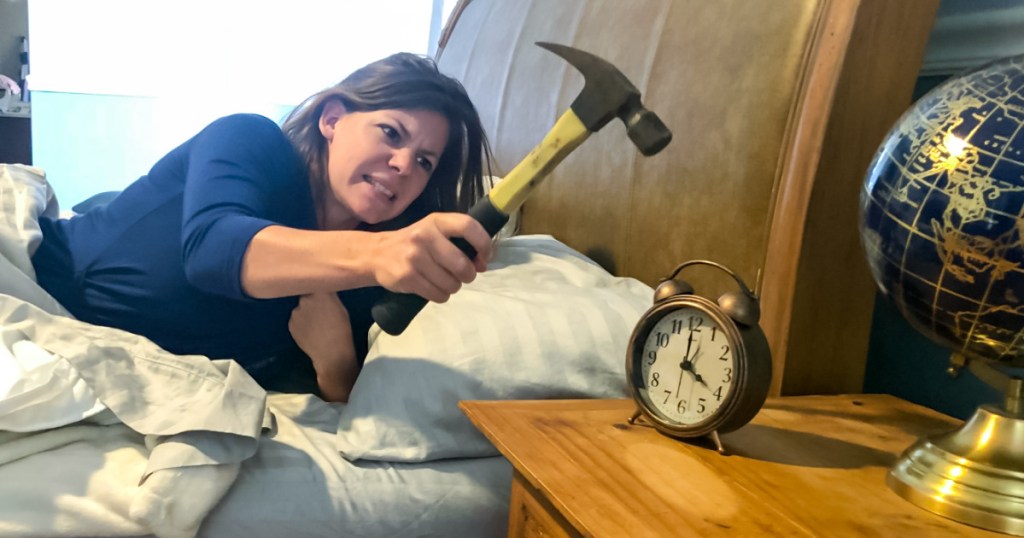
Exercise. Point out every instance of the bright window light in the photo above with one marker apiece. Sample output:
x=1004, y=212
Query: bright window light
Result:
x=116, y=84
x=273, y=51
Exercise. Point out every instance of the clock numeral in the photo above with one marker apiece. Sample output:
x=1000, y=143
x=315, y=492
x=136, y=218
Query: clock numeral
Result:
x=714, y=332
x=677, y=326
x=725, y=353
x=695, y=323
x=662, y=339
x=655, y=379
x=668, y=394
x=681, y=406
x=718, y=394
x=652, y=357
x=700, y=405
x=728, y=376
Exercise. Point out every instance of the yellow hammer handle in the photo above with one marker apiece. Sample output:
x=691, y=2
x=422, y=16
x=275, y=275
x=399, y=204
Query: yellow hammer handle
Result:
x=510, y=193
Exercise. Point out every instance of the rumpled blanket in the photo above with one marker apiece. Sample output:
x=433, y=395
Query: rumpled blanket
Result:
x=64, y=381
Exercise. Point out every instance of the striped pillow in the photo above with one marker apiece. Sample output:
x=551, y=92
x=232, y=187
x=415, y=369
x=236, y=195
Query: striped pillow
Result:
x=542, y=322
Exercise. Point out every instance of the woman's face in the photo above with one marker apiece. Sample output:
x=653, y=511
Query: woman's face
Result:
x=378, y=162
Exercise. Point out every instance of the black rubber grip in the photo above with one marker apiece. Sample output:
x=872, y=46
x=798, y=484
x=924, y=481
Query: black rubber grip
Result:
x=394, y=311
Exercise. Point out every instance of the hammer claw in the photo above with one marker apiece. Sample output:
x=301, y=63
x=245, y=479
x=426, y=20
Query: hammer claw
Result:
x=607, y=93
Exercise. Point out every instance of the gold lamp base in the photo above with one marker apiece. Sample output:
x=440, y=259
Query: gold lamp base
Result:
x=974, y=475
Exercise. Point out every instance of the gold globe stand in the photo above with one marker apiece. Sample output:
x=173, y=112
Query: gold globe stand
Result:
x=975, y=474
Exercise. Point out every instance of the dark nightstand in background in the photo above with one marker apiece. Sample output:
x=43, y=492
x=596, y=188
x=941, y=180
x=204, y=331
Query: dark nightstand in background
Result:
x=16, y=135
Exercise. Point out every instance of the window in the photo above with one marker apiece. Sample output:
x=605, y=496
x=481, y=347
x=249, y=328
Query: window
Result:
x=117, y=83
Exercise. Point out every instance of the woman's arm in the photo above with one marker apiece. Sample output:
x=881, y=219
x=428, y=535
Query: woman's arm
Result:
x=242, y=176
x=321, y=327
x=420, y=259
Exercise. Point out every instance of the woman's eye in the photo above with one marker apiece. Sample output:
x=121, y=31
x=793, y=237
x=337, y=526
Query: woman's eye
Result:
x=390, y=132
x=426, y=164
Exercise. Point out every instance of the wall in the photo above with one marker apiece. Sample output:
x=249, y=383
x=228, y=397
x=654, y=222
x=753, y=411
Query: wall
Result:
x=15, y=125
x=13, y=25
x=968, y=33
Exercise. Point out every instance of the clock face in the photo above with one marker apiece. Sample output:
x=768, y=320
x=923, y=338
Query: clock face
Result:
x=688, y=366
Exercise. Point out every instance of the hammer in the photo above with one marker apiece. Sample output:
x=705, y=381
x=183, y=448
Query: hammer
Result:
x=606, y=93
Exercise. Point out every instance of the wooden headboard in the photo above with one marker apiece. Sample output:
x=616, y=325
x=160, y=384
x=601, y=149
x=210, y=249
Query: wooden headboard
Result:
x=776, y=106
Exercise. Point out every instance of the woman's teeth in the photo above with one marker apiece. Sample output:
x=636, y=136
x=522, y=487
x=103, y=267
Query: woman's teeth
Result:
x=381, y=189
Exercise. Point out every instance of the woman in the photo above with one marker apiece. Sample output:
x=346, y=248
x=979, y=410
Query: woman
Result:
x=236, y=243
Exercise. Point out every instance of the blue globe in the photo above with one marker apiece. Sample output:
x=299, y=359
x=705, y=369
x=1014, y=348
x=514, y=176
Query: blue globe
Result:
x=942, y=213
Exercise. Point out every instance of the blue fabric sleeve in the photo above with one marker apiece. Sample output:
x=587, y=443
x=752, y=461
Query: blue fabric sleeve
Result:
x=229, y=188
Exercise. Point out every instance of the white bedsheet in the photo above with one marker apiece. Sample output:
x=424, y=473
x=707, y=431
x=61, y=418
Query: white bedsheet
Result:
x=200, y=419
x=37, y=389
x=102, y=433
x=295, y=486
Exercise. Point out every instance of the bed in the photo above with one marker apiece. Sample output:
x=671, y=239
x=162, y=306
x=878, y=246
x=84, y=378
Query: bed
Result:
x=776, y=109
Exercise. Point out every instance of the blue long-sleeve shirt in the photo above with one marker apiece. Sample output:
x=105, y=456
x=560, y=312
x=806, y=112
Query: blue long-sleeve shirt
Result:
x=163, y=259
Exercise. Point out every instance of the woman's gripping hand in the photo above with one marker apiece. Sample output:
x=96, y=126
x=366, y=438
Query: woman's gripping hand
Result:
x=422, y=259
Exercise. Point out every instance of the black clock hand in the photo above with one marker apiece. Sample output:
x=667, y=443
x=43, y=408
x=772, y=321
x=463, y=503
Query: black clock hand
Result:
x=689, y=397
x=688, y=366
x=679, y=383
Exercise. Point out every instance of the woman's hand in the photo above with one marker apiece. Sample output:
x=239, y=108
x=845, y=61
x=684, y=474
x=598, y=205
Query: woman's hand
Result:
x=321, y=327
x=421, y=258
x=283, y=262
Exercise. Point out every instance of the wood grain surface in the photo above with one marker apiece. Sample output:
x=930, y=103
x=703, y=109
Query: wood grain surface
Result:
x=805, y=466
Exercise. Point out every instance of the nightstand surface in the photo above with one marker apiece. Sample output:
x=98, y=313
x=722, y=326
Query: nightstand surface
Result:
x=805, y=466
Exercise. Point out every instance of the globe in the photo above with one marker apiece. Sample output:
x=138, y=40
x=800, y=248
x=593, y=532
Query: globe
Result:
x=942, y=214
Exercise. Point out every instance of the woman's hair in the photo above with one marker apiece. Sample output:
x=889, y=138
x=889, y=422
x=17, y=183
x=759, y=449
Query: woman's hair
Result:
x=403, y=81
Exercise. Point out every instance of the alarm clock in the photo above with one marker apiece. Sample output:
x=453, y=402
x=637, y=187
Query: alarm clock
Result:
x=697, y=367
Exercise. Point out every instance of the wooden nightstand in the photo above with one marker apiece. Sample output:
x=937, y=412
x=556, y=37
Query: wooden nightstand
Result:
x=805, y=466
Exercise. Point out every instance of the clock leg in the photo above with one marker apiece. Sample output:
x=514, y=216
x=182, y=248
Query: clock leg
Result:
x=718, y=442
x=632, y=419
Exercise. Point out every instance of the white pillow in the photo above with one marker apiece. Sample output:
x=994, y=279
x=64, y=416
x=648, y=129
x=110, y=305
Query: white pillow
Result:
x=542, y=322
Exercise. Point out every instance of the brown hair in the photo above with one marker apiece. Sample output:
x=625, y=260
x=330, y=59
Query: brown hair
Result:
x=403, y=81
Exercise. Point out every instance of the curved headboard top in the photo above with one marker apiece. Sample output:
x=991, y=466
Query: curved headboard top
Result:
x=776, y=108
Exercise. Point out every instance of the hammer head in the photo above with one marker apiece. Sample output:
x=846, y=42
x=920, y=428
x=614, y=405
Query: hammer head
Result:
x=607, y=93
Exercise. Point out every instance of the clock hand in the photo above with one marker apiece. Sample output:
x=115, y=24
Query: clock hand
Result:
x=688, y=363
x=689, y=397
x=685, y=365
x=693, y=366
x=679, y=383
x=696, y=353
